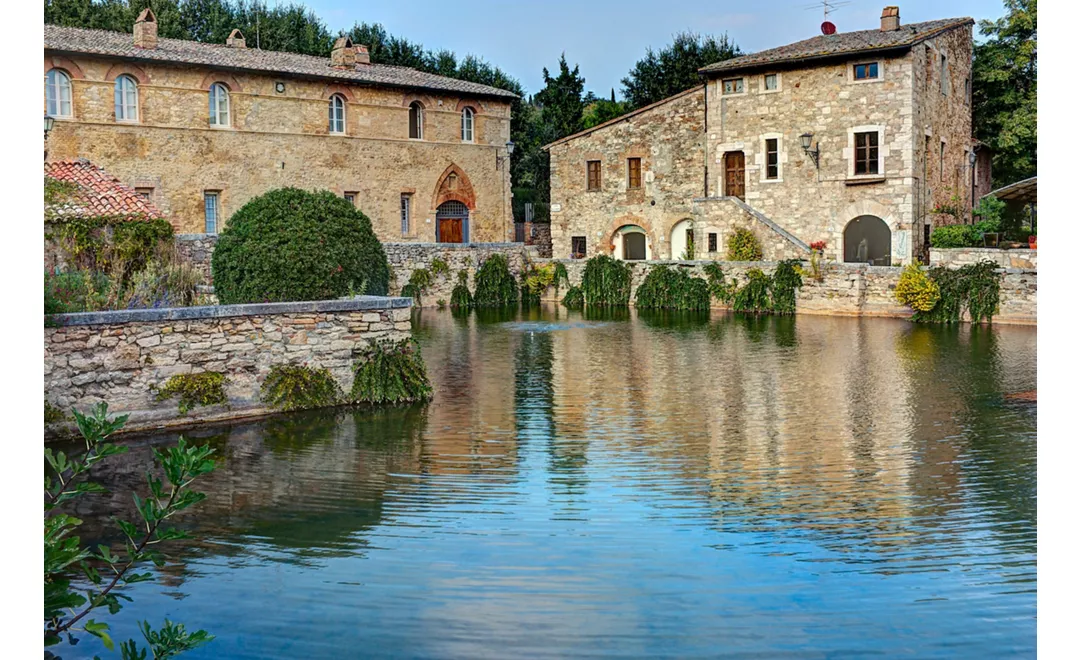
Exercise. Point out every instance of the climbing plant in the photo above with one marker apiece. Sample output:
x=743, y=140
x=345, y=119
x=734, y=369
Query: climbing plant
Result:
x=299, y=386
x=418, y=284
x=460, y=296
x=668, y=288
x=718, y=287
x=574, y=298
x=391, y=372
x=439, y=267
x=743, y=246
x=974, y=288
x=561, y=276
x=783, y=283
x=606, y=282
x=206, y=388
x=753, y=297
x=495, y=286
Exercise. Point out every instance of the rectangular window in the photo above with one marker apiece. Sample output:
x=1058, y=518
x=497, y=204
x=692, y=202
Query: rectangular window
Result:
x=868, y=71
x=210, y=200
x=593, y=168
x=941, y=162
x=772, y=158
x=633, y=170
x=406, y=214
x=577, y=247
x=770, y=82
x=712, y=241
x=944, y=76
x=145, y=193
x=866, y=153
x=350, y=197
x=733, y=86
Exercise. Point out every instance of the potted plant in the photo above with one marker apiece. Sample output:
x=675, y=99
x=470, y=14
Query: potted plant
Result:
x=817, y=250
x=1031, y=242
x=990, y=239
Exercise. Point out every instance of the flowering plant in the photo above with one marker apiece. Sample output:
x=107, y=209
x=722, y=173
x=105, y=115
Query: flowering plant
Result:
x=818, y=245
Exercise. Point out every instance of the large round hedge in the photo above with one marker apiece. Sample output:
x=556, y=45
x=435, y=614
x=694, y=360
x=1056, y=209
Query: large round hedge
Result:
x=291, y=244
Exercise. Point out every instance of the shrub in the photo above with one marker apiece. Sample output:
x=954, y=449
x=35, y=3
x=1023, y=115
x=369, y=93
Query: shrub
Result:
x=460, y=296
x=753, y=297
x=495, y=286
x=107, y=244
x=206, y=388
x=418, y=284
x=574, y=298
x=77, y=291
x=667, y=288
x=955, y=236
x=916, y=290
x=718, y=288
x=298, y=386
x=164, y=285
x=536, y=280
x=782, y=285
x=606, y=282
x=291, y=244
x=975, y=288
x=743, y=246
x=439, y=267
x=391, y=373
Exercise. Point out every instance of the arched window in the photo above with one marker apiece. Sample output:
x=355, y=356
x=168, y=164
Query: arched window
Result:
x=416, y=121
x=219, y=105
x=337, y=114
x=467, y=125
x=57, y=93
x=127, y=99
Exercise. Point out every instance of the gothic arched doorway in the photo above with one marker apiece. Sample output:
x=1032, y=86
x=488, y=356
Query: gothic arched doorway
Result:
x=867, y=240
x=452, y=223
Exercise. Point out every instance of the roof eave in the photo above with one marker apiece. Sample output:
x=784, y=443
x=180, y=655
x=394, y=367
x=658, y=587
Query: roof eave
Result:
x=621, y=118
x=810, y=59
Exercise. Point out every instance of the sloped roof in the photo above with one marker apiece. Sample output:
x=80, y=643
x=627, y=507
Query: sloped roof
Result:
x=122, y=45
x=97, y=193
x=841, y=44
x=1021, y=191
x=629, y=115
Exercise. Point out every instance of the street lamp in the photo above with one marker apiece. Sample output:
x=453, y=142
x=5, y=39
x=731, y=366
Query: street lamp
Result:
x=48, y=127
x=805, y=139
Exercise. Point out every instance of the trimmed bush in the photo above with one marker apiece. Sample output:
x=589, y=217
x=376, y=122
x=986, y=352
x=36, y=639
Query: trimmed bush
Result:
x=291, y=244
x=298, y=386
x=495, y=286
x=916, y=290
x=744, y=246
x=391, y=372
x=956, y=236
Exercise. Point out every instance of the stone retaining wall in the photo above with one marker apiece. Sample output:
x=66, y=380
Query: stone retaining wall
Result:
x=845, y=290
x=404, y=258
x=122, y=357
x=196, y=249
x=957, y=257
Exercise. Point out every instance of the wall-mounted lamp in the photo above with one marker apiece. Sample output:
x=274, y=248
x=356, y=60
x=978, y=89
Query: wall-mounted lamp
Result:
x=48, y=127
x=509, y=152
x=805, y=139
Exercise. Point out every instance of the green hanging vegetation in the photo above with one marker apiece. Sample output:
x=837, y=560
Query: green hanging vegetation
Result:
x=561, y=276
x=298, y=386
x=418, y=284
x=606, y=282
x=53, y=414
x=744, y=246
x=574, y=298
x=391, y=372
x=753, y=297
x=535, y=280
x=975, y=288
x=785, y=280
x=718, y=287
x=206, y=388
x=460, y=296
x=668, y=288
x=495, y=286
x=439, y=267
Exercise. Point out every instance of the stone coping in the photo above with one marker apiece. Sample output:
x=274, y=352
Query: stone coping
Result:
x=359, y=303
x=763, y=264
x=462, y=246
x=985, y=250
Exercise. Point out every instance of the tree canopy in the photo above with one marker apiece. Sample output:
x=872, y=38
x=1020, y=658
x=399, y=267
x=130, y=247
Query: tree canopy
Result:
x=674, y=68
x=1004, y=91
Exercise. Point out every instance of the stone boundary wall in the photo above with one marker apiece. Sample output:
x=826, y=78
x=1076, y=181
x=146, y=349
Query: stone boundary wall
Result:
x=121, y=357
x=956, y=257
x=404, y=258
x=845, y=290
x=196, y=249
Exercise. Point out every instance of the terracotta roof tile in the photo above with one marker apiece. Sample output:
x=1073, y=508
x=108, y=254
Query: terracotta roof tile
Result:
x=122, y=44
x=97, y=194
x=840, y=44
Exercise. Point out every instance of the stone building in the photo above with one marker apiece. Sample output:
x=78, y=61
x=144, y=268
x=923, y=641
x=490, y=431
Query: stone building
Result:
x=202, y=128
x=857, y=139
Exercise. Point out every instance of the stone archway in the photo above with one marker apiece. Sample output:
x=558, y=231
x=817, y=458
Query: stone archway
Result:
x=631, y=243
x=681, y=238
x=454, y=186
x=868, y=240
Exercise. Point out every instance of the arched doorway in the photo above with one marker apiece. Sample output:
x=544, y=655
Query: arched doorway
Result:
x=452, y=223
x=867, y=240
x=631, y=244
x=682, y=238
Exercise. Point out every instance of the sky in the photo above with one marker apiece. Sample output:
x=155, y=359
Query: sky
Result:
x=606, y=37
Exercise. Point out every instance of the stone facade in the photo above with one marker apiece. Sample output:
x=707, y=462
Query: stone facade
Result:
x=404, y=258
x=845, y=289
x=688, y=142
x=121, y=357
x=956, y=257
x=197, y=250
x=278, y=135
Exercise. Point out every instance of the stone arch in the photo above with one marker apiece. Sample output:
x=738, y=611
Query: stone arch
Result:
x=677, y=237
x=425, y=101
x=133, y=70
x=64, y=64
x=611, y=246
x=469, y=103
x=867, y=239
x=342, y=90
x=454, y=185
x=230, y=82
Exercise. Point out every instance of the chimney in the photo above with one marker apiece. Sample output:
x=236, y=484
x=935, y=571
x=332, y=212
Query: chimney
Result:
x=890, y=19
x=146, y=29
x=236, y=40
x=362, y=55
x=343, y=55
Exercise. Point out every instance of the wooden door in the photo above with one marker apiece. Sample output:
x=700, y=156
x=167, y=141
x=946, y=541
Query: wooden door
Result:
x=450, y=230
x=735, y=175
x=633, y=246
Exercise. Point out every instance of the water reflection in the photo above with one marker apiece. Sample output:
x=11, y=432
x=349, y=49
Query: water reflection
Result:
x=641, y=484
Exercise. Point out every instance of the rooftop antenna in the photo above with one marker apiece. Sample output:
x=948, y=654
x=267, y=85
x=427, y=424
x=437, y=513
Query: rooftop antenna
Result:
x=827, y=7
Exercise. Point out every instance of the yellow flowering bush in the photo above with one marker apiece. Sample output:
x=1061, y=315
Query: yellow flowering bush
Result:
x=916, y=289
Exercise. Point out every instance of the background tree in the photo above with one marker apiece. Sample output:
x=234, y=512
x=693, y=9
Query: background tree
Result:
x=675, y=68
x=1004, y=78
x=598, y=111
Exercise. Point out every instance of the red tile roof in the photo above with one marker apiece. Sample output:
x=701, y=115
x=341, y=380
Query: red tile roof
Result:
x=98, y=193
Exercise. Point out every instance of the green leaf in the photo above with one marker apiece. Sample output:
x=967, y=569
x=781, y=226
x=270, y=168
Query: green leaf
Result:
x=99, y=629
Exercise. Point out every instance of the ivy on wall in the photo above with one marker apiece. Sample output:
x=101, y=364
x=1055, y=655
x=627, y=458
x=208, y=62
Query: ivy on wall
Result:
x=495, y=286
x=206, y=388
x=975, y=288
x=299, y=387
x=672, y=288
x=606, y=282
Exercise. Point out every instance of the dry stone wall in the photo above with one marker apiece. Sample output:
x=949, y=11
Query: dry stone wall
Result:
x=404, y=258
x=957, y=257
x=122, y=357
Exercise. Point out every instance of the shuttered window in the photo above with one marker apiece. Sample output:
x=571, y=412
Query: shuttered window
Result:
x=593, y=170
x=633, y=167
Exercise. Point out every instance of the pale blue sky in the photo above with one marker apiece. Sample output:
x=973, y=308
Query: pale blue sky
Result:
x=606, y=37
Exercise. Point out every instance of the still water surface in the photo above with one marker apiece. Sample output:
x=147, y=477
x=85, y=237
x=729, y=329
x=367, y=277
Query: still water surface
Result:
x=633, y=486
